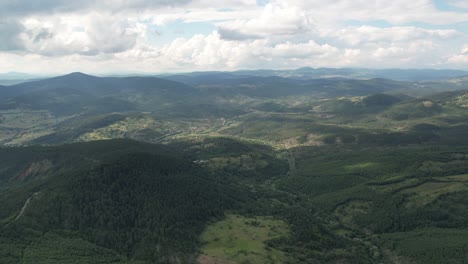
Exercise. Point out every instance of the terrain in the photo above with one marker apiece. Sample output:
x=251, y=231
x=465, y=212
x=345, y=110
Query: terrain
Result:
x=302, y=166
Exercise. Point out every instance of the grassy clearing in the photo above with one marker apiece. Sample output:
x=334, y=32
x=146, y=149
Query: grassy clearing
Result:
x=430, y=191
x=239, y=239
x=458, y=178
x=26, y=118
x=121, y=128
x=19, y=126
x=397, y=186
x=346, y=212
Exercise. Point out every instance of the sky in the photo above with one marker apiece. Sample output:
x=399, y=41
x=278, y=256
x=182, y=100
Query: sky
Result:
x=155, y=36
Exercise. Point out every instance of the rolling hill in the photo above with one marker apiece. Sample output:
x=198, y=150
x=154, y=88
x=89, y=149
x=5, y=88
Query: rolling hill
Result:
x=229, y=168
x=124, y=196
x=77, y=92
x=411, y=75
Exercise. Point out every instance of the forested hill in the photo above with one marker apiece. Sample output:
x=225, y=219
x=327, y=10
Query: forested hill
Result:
x=233, y=169
x=79, y=93
x=95, y=85
x=411, y=75
x=127, y=200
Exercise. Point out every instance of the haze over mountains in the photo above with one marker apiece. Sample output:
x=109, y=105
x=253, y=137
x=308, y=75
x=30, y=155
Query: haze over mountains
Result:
x=306, y=72
x=234, y=132
x=65, y=100
x=301, y=166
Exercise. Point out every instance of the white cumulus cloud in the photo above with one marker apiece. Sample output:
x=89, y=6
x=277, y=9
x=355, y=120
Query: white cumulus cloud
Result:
x=120, y=35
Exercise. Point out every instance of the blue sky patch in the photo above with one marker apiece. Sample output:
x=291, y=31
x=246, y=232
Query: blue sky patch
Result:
x=160, y=35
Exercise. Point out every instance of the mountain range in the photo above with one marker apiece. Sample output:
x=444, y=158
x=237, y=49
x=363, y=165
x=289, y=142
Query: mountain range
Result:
x=303, y=166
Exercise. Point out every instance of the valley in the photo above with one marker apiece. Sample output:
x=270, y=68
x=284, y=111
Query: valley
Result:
x=241, y=167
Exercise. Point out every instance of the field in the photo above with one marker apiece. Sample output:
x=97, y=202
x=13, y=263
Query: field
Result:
x=238, y=239
x=238, y=170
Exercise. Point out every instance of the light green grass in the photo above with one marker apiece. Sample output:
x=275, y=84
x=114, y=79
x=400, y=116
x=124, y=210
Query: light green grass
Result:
x=430, y=191
x=389, y=188
x=19, y=126
x=459, y=178
x=241, y=239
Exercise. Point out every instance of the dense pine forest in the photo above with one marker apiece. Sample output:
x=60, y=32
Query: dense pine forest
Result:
x=233, y=168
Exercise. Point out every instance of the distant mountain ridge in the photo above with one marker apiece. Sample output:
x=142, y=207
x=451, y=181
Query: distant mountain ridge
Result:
x=302, y=166
x=348, y=73
x=304, y=72
x=16, y=76
x=186, y=94
x=78, y=92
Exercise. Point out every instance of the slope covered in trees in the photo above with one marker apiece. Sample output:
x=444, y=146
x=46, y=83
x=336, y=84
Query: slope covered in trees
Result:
x=143, y=203
x=312, y=170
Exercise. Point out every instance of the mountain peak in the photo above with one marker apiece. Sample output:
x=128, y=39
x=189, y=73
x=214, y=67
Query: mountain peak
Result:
x=71, y=78
x=77, y=74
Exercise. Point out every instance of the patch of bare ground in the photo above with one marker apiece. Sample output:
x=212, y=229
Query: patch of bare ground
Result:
x=428, y=104
x=205, y=259
x=314, y=140
x=397, y=259
x=33, y=169
x=289, y=142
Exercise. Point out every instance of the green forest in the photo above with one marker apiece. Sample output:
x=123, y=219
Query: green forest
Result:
x=242, y=169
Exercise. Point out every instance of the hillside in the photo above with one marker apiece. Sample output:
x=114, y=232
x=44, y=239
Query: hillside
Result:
x=411, y=75
x=233, y=132
x=76, y=93
x=276, y=87
x=126, y=202
x=127, y=197
x=98, y=200
x=222, y=168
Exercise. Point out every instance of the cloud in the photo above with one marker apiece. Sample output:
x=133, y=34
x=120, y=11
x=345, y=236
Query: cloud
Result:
x=461, y=58
x=120, y=35
x=275, y=19
x=464, y=50
x=395, y=12
x=232, y=34
x=9, y=35
x=458, y=3
x=206, y=52
x=64, y=35
x=27, y=7
x=367, y=34
x=212, y=52
x=23, y=8
x=307, y=50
